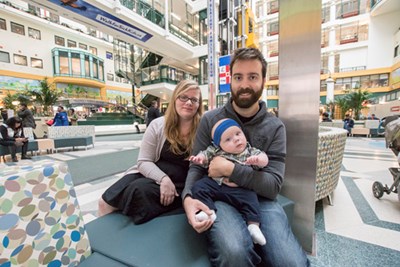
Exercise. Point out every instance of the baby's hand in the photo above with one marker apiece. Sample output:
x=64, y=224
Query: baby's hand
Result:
x=196, y=160
x=261, y=160
x=252, y=160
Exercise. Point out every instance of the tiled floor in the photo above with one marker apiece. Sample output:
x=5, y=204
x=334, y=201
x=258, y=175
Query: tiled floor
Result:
x=358, y=230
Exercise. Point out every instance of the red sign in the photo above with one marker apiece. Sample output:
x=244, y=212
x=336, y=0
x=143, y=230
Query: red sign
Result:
x=395, y=109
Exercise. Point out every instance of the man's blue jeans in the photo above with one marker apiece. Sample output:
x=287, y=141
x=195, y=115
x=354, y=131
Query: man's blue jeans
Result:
x=230, y=243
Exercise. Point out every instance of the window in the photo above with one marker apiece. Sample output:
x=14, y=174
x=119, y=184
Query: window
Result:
x=109, y=55
x=82, y=46
x=95, y=68
x=4, y=57
x=93, y=50
x=64, y=66
x=3, y=24
x=17, y=28
x=110, y=77
x=71, y=43
x=59, y=40
x=36, y=63
x=20, y=60
x=33, y=33
x=76, y=64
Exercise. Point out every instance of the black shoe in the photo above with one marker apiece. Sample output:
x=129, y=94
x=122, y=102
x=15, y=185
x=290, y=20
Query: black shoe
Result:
x=25, y=157
x=15, y=160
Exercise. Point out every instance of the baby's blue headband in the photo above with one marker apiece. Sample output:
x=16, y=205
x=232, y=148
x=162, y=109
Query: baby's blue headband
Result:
x=221, y=128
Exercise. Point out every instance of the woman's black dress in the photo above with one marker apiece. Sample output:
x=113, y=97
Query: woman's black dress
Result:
x=139, y=197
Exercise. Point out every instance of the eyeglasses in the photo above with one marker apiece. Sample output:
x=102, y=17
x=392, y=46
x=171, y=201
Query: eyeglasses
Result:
x=184, y=99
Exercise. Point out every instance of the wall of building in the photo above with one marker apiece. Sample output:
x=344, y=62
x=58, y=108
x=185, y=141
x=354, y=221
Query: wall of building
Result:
x=33, y=48
x=382, y=29
x=353, y=57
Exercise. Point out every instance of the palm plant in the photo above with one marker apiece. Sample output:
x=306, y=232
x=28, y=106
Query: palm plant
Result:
x=343, y=104
x=8, y=99
x=47, y=96
x=356, y=99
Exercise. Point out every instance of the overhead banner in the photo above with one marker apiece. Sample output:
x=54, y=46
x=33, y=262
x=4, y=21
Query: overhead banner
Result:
x=224, y=74
x=91, y=12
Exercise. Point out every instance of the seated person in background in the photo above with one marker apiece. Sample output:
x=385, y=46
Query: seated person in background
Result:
x=348, y=123
x=373, y=117
x=61, y=118
x=325, y=117
x=152, y=187
x=12, y=136
x=230, y=142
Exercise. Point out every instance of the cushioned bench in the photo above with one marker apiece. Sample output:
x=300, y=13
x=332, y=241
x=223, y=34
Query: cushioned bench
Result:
x=32, y=147
x=331, y=145
x=72, y=136
x=164, y=241
x=51, y=220
x=73, y=142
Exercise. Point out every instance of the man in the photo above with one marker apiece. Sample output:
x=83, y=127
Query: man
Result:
x=348, y=123
x=61, y=117
x=153, y=112
x=373, y=117
x=325, y=117
x=27, y=117
x=228, y=238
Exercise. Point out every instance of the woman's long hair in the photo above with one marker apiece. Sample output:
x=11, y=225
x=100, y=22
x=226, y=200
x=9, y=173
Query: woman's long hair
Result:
x=180, y=145
x=11, y=122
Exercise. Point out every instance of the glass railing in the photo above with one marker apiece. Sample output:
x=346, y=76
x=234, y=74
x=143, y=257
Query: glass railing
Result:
x=145, y=10
x=160, y=74
x=374, y=3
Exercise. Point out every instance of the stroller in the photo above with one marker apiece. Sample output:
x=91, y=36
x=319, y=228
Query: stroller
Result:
x=392, y=137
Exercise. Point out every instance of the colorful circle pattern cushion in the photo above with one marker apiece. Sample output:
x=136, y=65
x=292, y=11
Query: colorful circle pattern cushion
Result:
x=40, y=220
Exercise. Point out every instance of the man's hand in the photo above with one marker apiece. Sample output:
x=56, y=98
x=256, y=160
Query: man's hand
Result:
x=167, y=191
x=220, y=167
x=193, y=206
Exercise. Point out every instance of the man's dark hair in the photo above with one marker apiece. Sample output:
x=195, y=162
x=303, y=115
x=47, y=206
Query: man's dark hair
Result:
x=154, y=102
x=249, y=54
x=24, y=105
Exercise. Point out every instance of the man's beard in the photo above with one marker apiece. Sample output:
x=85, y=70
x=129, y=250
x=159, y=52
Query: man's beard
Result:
x=247, y=102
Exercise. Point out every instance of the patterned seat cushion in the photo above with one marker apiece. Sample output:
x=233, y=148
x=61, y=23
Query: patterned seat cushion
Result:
x=40, y=219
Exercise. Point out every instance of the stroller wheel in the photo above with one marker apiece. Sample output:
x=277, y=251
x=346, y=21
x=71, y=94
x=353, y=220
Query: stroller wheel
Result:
x=378, y=190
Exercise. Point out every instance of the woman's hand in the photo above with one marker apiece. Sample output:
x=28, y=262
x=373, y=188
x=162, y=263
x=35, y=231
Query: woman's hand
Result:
x=192, y=207
x=167, y=191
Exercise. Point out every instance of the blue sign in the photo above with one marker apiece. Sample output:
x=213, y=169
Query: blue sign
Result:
x=224, y=74
x=89, y=11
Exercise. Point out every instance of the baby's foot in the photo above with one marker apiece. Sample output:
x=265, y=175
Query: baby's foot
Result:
x=256, y=234
x=202, y=216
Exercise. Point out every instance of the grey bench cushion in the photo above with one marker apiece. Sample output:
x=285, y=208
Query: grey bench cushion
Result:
x=85, y=141
x=164, y=241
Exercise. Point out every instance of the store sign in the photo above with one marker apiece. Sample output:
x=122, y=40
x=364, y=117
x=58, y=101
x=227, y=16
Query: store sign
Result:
x=91, y=12
x=224, y=74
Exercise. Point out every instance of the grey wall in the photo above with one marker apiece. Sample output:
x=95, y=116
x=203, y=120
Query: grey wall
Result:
x=299, y=85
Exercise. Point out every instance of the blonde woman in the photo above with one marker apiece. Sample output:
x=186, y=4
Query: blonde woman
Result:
x=153, y=186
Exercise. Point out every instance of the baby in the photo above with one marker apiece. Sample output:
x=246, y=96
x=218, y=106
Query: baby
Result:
x=230, y=142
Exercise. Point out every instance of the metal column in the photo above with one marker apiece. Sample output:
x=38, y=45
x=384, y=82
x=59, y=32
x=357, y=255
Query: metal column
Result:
x=299, y=85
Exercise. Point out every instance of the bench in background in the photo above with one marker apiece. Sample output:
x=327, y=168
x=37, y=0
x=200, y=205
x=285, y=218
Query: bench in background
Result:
x=72, y=136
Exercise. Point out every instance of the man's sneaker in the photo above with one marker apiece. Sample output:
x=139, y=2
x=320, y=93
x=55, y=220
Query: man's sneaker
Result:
x=25, y=157
x=15, y=160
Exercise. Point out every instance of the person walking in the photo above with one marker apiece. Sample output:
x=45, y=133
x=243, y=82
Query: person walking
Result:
x=153, y=112
x=61, y=117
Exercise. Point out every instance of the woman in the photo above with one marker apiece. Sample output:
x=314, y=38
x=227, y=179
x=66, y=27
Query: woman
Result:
x=153, y=186
x=12, y=136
